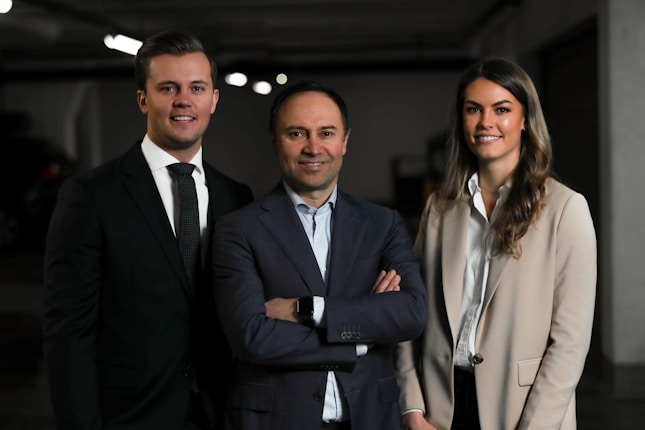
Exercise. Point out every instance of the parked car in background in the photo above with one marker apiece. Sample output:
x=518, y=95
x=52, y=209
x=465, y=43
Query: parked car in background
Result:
x=31, y=172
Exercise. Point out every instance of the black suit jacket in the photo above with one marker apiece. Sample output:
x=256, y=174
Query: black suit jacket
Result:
x=124, y=335
x=260, y=252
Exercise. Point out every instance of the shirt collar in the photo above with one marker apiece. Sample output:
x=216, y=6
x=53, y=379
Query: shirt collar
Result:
x=157, y=158
x=474, y=188
x=297, y=200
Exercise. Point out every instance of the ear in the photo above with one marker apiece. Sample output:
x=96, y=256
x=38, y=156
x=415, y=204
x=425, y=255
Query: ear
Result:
x=141, y=101
x=345, y=141
x=215, y=100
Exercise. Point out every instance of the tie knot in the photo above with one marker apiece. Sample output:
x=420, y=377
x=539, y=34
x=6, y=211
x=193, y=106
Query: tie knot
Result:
x=180, y=169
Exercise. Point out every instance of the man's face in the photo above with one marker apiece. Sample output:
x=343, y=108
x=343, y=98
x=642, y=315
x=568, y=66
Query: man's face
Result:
x=179, y=100
x=310, y=141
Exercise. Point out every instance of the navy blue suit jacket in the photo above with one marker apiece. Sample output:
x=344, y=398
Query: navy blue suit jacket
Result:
x=124, y=334
x=260, y=252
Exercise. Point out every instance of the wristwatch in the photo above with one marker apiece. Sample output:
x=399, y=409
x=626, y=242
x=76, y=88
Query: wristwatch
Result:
x=305, y=310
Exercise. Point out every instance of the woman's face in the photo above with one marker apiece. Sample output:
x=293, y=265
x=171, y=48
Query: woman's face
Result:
x=493, y=124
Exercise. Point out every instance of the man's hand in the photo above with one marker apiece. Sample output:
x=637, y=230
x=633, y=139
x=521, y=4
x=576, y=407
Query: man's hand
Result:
x=386, y=281
x=416, y=421
x=282, y=309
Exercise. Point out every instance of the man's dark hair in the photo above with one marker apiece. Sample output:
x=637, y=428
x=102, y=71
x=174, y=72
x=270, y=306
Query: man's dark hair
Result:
x=301, y=87
x=173, y=42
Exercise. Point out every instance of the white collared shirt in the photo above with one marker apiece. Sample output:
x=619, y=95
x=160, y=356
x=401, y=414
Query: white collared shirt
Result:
x=158, y=160
x=478, y=256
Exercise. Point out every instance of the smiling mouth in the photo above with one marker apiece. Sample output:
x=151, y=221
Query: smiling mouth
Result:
x=182, y=118
x=488, y=138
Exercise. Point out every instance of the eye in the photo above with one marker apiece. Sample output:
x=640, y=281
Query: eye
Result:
x=199, y=88
x=503, y=110
x=472, y=109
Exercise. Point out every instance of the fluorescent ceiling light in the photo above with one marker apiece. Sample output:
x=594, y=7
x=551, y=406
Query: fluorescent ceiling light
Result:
x=122, y=43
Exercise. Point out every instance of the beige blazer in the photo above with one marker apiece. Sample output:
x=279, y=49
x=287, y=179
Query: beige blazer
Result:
x=536, y=322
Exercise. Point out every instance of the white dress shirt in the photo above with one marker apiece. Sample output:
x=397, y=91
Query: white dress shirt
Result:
x=158, y=160
x=478, y=256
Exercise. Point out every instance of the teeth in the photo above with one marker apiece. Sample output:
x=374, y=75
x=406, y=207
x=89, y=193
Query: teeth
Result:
x=182, y=118
x=488, y=137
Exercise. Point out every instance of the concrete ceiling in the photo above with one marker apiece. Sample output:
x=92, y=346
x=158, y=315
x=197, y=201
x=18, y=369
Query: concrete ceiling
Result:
x=68, y=34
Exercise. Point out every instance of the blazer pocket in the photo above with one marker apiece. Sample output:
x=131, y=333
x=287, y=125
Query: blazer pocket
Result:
x=254, y=397
x=388, y=389
x=527, y=371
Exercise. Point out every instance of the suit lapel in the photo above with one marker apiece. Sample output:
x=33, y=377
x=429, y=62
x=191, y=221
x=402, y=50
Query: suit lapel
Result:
x=138, y=180
x=495, y=272
x=216, y=207
x=348, y=229
x=454, y=235
x=282, y=222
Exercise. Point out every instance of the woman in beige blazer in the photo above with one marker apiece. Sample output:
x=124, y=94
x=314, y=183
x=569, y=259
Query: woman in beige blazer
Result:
x=509, y=260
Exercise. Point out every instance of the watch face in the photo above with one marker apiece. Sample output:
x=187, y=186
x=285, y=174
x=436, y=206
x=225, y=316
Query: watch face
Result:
x=305, y=309
x=305, y=306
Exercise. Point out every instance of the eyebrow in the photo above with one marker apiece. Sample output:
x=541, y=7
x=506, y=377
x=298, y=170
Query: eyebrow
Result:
x=171, y=82
x=498, y=103
x=300, y=127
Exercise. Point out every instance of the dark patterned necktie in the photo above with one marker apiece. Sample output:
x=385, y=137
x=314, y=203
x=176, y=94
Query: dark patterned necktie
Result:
x=188, y=234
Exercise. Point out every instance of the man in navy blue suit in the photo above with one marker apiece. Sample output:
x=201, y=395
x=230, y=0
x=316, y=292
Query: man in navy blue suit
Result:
x=314, y=287
x=130, y=341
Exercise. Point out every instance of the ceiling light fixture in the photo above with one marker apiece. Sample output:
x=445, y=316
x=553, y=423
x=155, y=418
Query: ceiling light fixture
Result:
x=236, y=79
x=122, y=43
x=5, y=6
x=262, y=87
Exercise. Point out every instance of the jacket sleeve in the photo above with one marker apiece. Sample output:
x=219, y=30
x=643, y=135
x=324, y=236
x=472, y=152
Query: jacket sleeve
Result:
x=240, y=281
x=385, y=318
x=71, y=278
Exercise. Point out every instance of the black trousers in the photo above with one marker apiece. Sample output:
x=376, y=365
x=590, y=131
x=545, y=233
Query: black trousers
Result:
x=466, y=415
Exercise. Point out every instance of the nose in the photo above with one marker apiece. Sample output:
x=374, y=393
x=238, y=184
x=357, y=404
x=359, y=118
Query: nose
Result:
x=313, y=145
x=181, y=99
x=486, y=120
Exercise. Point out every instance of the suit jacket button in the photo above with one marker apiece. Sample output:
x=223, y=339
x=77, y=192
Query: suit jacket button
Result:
x=319, y=396
x=188, y=370
x=478, y=359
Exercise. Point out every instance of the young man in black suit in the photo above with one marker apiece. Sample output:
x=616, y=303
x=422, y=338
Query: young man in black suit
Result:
x=131, y=336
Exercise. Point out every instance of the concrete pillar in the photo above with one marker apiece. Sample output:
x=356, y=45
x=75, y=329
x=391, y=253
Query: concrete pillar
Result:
x=622, y=194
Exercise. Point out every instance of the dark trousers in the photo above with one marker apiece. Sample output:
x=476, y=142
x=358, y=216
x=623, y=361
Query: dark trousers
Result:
x=466, y=416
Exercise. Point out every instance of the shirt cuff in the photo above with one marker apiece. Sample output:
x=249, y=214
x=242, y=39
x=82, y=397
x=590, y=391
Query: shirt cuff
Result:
x=319, y=310
x=361, y=349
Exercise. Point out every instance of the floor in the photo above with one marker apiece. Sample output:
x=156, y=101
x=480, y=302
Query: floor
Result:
x=24, y=397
